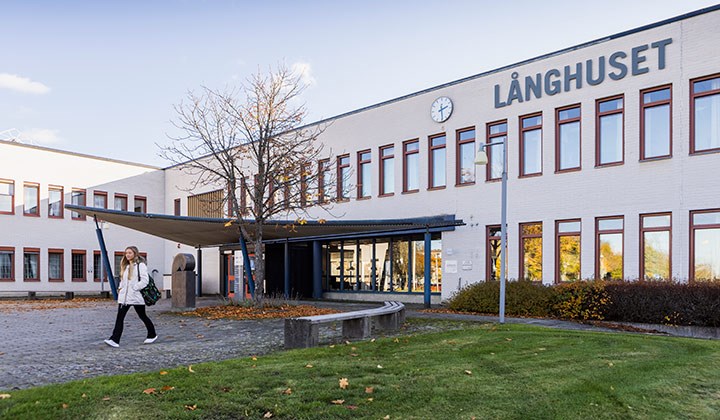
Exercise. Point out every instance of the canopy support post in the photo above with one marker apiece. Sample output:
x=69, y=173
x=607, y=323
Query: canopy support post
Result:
x=106, y=260
x=246, y=266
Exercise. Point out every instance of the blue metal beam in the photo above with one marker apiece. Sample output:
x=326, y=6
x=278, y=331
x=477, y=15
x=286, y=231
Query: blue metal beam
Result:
x=106, y=260
x=428, y=285
x=246, y=266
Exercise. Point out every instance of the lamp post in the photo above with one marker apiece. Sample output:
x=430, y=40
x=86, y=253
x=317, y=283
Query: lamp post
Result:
x=482, y=159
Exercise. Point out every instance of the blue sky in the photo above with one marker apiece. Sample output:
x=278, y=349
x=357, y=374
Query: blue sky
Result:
x=101, y=77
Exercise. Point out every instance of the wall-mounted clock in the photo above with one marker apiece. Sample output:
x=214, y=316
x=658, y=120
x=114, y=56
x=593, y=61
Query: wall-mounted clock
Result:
x=441, y=109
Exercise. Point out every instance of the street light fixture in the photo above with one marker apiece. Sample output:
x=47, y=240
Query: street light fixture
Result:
x=482, y=159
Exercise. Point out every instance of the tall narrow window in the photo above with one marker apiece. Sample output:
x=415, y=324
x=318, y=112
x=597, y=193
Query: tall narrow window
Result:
x=465, y=157
x=655, y=246
x=496, y=132
x=609, y=248
x=324, y=181
x=531, y=145
x=140, y=205
x=55, y=265
x=387, y=170
x=176, y=207
x=531, y=251
x=99, y=270
x=705, y=245
x=609, y=141
x=7, y=196
x=78, y=265
x=343, y=178
x=705, y=114
x=655, y=123
x=55, y=202
x=31, y=194
x=437, y=178
x=77, y=197
x=31, y=264
x=100, y=199
x=7, y=264
x=121, y=202
x=411, y=166
x=493, y=258
x=364, y=177
x=567, y=250
x=567, y=138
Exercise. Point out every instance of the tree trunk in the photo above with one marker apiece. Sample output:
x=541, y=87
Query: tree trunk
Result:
x=259, y=265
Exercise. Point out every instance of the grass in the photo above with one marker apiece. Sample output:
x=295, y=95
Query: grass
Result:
x=483, y=371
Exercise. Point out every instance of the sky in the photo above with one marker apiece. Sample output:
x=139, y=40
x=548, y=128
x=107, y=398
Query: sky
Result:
x=101, y=77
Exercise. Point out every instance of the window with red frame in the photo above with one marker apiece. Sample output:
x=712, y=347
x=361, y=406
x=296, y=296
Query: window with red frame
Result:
x=655, y=246
x=656, y=123
x=411, y=166
x=496, y=132
x=55, y=202
x=31, y=196
x=567, y=138
x=705, y=245
x=438, y=153
x=531, y=145
x=609, y=233
x=7, y=264
x=78, y=265
x=7, y=196
x=465, y=158
x=705, y=114
x=387, y=170
x=56, y=265
x=609, y=135
x=364, y=177
x=31, y=264
x=343, y=177
x=78, y=198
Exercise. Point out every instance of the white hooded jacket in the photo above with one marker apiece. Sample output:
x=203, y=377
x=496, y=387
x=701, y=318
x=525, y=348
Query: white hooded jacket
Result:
x=129, y=290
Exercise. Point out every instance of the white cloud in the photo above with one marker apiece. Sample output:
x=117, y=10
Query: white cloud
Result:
x=304, y=70
x=44, y=136
x=22, y=84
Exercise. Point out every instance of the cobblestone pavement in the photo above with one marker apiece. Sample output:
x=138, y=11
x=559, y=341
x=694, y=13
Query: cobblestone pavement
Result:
x=39, y=347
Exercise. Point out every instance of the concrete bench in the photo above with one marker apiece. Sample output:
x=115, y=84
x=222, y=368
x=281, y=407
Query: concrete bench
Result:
x=68, y=295
x=304, y=331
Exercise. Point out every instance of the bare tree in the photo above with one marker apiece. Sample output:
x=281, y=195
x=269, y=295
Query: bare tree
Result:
x=253, y=142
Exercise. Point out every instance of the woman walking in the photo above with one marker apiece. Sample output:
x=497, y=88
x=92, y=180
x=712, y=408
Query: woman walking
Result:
x=134, y=278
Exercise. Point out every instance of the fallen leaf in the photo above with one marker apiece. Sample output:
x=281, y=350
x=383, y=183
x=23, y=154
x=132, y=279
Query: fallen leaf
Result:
x=85, y=371
x=396, y=340
x=167, y=388
x=351, y=407
x=379, y=366
x=353, y=348
x=163, y=372
x=225, y=389
x=106, y=398
x=4, y=396
x=371, y=399
x=508, y=339
x=344, y=383
x=287, y=391
x=332, y=346
x=268, y=415
x=149, y=391
x=190, y=369
x=369, y=390
x=610, y=364
x=347, y=342
x=200, y=336
x=467, y=372
x=354, y=354
x=338, y=402
x=253, y=358
x=84, y=396
x=308, y=366
x=228, y=224
x=65, y=406
x=542, y=349
x=372, y=340
x=386, y=417
x=191, y=407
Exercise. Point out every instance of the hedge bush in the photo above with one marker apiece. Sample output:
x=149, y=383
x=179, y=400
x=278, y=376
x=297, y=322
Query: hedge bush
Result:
x=665, y=302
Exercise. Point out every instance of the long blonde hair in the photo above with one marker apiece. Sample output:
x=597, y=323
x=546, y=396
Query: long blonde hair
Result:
x=137, y=260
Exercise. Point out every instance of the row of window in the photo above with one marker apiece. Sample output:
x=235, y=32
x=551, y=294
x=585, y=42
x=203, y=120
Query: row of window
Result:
x=655, y=248
x=56, y=200
x=56, y=264
x=655, y=142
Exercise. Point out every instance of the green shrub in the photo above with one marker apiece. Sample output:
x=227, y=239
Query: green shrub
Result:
x=522, y=298
x=581, y=300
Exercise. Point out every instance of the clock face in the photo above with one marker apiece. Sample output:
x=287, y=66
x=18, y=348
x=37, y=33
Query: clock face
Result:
x=441, y=109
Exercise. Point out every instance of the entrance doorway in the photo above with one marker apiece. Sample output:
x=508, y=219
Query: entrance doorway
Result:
x=232, y=273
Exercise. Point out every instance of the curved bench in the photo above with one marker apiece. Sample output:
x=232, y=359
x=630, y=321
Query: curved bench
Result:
x=304, y=331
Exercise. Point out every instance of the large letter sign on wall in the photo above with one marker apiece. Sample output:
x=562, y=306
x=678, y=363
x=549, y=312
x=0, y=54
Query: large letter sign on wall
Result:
x=592, y=72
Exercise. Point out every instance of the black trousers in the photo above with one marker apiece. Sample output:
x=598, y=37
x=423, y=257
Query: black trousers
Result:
x=120, y=321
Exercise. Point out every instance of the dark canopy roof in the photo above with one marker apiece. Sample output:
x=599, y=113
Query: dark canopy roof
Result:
x=201, y=231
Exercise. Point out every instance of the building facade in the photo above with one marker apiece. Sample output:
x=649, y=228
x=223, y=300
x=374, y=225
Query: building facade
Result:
x=47, y=248
x=612, y=147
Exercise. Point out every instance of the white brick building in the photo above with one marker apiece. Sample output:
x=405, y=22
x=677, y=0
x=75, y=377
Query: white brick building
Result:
x=612, y=150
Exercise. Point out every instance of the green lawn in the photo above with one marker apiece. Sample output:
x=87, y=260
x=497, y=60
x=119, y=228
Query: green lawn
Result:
x=483, y=371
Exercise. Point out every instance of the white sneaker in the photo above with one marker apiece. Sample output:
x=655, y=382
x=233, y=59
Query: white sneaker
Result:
x=150, y=340
x=111, y=343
